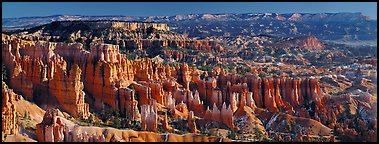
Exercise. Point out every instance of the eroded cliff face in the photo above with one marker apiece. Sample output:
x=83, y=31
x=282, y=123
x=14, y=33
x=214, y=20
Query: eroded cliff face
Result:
x=12, y=60
x=108, y=75
x=68, y=90
x=275, y=94
x=8, y=111
x=64, y=75
x=41, y=75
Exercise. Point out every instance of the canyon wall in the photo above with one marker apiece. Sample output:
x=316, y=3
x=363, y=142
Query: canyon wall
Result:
x=114, y=82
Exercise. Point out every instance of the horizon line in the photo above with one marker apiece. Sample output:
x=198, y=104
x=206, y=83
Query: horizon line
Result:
x=186, y=14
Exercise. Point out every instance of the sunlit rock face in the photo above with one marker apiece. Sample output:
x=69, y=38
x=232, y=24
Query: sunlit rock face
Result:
x=64, y=85
x=107, y=76
x=149, y=117
x=8, y=110
x=42, y=73
x=51, y=129
x=159, y=92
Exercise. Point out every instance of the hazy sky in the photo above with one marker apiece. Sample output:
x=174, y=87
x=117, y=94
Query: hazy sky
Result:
x=27, y=9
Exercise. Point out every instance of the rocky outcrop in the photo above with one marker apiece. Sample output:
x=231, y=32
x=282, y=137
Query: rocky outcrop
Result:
x=143, y=92
x=68, y=89
x=223, y=116
x=192, y=123
x=247, y=122
x=106, y=71
x=51, y=129
x=184, y=75
x=227, y=116
x=11, y=57
x=180, y=110
x=128, y=103
x=157, y=91
x=8, y=111
x=205, y=45
x=273, y=93
x=106, y=74
x=195, y=104
x=310, y=42
x=145, y=70
x=149, y=117
x=37, y=71
x=170, y=102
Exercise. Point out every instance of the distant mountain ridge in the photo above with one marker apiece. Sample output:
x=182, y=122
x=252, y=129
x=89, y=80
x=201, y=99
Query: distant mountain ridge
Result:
x=345, y=27
x=26, y=22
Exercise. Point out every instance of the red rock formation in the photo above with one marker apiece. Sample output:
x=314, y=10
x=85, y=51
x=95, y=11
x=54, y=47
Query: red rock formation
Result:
x=212, y=95
x=205, y=45
x=185, y=75
x=257, y=92
x=157, y=92
x=143, y=70
x=241, y=106
x=216, y=114
x=103, y=78
x=223, y=116
x=310, y=42
x=128, y=103
x=268, y=98
x=149, y=117
x=297, y=90
x=68, y=89
x=278, y=97
x=8, y=111
x=12, y=59
x=226, y=116
x=143, y=92
x=51, y=129
x=112, y=80
x=181, y=110
x=195, y=104
x=234, y=101
x=250, y=101
x=191, y=123
x=316, y=94
x=293, y=92
x=34, y=66
x=104, y=70
x=207, y=114
x=170, y=102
